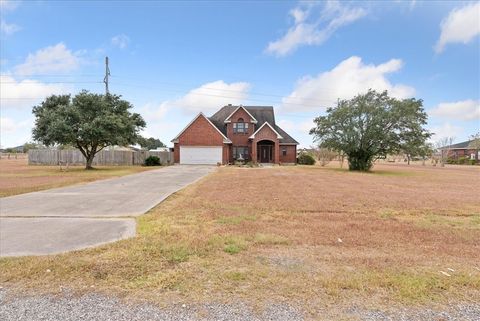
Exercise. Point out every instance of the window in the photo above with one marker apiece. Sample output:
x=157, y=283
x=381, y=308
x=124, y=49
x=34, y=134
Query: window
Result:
x=240, y=152
x=240, y=126
x=284, y=151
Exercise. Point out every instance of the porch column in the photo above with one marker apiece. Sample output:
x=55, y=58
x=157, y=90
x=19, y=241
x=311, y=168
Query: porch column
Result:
x=254, y=150
x=277, y=153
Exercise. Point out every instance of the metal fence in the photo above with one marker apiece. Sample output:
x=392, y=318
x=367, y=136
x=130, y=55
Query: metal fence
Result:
x=104, y=157
x=13, y=155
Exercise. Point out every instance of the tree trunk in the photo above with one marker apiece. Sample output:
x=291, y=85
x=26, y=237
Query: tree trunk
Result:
x=89, y=161
x=408, y=159
x=360, y=162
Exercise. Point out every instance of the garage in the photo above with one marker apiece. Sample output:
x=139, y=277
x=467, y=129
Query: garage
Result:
x=200, y=155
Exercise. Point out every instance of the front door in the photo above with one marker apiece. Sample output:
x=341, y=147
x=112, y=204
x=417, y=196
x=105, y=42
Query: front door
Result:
x=265, y=153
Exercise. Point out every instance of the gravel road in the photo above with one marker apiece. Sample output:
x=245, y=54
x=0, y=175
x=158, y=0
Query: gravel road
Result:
x=92, y=307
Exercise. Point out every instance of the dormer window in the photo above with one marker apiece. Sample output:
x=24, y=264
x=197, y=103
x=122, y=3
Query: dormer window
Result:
x=240, y=126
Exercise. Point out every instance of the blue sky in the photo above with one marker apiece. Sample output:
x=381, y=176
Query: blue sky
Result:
x=175, y=59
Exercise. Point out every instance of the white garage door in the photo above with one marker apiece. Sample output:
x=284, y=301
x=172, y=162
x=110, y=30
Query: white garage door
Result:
x=200, y=155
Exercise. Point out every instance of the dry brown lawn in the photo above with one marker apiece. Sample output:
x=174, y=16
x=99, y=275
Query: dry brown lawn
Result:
x=17, y=177
x=399, y=236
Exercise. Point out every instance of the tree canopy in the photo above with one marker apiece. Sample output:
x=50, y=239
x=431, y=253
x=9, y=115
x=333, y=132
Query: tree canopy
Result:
x=474, y=141
x=150, y=143
x=370, y=126
x=89, y=122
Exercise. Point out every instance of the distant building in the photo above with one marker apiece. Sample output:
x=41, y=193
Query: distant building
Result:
x=160, y=149
x=463, y=149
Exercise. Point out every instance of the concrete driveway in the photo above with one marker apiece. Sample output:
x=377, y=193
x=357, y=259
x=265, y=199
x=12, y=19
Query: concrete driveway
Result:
x=76, y=217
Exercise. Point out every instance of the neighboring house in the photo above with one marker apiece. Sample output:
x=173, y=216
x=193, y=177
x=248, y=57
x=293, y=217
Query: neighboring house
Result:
x=160, y=149
x=247, y=133
x=462, y=149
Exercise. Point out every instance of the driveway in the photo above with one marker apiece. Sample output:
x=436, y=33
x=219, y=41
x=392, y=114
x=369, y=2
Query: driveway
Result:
x=76, y=217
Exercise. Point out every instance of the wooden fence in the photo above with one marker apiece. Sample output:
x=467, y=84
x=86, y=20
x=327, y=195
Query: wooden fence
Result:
x=104, y=157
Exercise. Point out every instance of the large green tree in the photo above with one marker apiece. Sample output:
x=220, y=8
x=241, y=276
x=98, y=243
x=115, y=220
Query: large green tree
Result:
x=370, y=126
x=89, y=122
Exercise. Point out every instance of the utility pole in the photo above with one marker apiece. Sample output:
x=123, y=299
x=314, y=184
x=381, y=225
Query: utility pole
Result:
x=107, y=73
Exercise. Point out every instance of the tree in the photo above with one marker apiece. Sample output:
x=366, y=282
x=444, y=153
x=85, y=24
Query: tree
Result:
x=444, y=146
x=27, y=146
x=370, y=126
x=424, y=151
x=150, y=143
x=89, y=122
x=324, y=155
x=414, y=144
x=474, y=142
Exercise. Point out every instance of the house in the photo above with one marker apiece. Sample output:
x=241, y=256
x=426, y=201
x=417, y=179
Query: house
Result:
x=243, y=133
x=463, y=149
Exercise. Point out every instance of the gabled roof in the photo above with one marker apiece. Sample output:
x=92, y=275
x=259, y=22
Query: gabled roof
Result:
x=260, y=128
x=227, y=120
x=462, y=145
x=225, y=138
x=261, y=113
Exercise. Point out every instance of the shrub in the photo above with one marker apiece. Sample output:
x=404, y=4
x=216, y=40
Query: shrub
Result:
x=152, y=161
x=461, y=160
x=472, y=162
x=451, y=161
x=324, y=155
x=306, y=159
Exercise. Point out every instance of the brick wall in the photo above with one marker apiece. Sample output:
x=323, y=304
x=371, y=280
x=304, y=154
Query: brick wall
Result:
x=200, y=133
x=291, y=156
x=240, y=139
x=266, y=133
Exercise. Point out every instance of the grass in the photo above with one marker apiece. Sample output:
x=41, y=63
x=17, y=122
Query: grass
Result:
x=224, y=239
x=17, y=177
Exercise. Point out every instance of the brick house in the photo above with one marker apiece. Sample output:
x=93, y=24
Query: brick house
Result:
x=247, y=133
x=463, y=149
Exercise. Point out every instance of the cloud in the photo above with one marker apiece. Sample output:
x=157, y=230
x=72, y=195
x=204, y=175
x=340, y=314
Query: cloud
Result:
x=49, y=60
x=8, y=29
x=121, y=41
x=460, y=26
x=460, y=110
x=349, y=78
x=8, y=5
x=314, y=28
x=154, y=112
x=210, y=96
x=14, y=133
x=7, y=125
x=445, y=130
x=26, y=93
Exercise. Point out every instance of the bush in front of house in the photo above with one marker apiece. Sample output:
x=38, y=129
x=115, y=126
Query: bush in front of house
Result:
x=305, y=159
x=461, y=160
x=152, y=161
x=451, y=161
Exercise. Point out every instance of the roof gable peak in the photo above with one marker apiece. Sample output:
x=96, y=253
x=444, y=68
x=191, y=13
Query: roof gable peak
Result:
x=200, y=114
x=253, y=120
x=271, y=127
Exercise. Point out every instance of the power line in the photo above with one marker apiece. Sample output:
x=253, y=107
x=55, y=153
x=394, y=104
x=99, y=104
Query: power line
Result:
x=58, y=75
x=217, y=89
x=325, y=102
x=56, y=82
